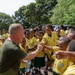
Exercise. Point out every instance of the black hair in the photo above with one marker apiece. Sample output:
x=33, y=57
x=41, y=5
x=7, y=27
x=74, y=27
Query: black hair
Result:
x=65, y=40
x=26, y=31
x=41, y=32
x=50, y=26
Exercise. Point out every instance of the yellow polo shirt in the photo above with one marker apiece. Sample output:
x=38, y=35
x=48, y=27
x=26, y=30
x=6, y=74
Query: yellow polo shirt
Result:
x=60, y=65
x=31, y=42
x=70, y=70
x=42, y=53
x=50, y=41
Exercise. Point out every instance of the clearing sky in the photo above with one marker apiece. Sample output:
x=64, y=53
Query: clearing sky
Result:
x=10, y=6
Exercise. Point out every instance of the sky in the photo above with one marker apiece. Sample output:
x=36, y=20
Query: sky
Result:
x=10, y=6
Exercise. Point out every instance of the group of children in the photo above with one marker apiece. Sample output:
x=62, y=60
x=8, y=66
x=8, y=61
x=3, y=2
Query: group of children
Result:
x=52, y=41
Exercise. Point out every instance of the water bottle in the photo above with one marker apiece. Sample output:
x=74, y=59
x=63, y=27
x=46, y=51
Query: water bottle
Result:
x=28, y=64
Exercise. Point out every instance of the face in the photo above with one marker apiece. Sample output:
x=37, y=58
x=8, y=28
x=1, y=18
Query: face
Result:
x=48, y=30
x=70, y=35
x=57, y=32
x=40, y=36
x=32, y=32
x=62, y=46
x=44, y=28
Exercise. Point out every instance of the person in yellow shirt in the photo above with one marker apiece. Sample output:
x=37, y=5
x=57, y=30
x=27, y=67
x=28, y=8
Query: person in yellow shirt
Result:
x=71, y=69
x=33, y=40
x=62, y=32
x=39, y=60
x=61, y=65
x=1, y=41
x=30, y=39
x=23, y=63
x=5, y=34
x=30, y=42
x=49, y=39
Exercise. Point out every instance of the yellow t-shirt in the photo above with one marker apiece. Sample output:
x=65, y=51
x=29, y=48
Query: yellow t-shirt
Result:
x=50, y=41
x=31, y=42
x=60, y=65
x=42, y=53
x=22, y=65
x=66, y=31
x=70, y=70
x=5, y=35
x=62, y=33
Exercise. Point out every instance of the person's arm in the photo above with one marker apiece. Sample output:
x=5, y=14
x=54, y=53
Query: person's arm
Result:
x=34, y=53
x=64, y=54
x=48, y=54
x=48, y=47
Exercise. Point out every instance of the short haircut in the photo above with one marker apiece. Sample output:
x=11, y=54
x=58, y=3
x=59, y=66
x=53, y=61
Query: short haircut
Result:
x=49, y=25
x=71, y=46
x=41, y=32
x=26, y=31
x=65, y=40
x=14, y=28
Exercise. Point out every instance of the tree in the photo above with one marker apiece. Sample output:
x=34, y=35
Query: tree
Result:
x=5, y=21
x=35, y=13
x=19, y=16
x=63, y=13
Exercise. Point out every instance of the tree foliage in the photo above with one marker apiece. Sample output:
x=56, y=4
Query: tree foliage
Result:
x=35, y=13
x=64, y=12
x=5, y=21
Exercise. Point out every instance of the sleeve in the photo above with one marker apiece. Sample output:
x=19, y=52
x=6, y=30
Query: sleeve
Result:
x=17, y=54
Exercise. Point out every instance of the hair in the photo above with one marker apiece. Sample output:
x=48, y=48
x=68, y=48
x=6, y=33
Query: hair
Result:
x=14, y=28
x=41, y=32
x=71, y=46
x=65, y=40
x=50, y=26
x=26, y=31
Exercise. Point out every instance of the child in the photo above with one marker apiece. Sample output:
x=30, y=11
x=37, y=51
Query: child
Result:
x=61, y=65
x=50, y=39
x=39, y=60
x=71, y=69
x=24, y=63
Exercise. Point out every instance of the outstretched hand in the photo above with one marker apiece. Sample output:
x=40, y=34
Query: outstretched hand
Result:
x=61, y=54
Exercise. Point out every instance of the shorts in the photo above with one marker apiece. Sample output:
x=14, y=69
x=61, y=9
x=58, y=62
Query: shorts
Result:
x=39, y=62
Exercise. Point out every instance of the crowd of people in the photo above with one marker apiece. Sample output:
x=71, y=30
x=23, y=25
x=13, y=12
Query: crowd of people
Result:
x=24, y=51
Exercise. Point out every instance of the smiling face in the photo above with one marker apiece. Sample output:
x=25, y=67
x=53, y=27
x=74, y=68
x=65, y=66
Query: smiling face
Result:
x=48, y=30
x=63, y=43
